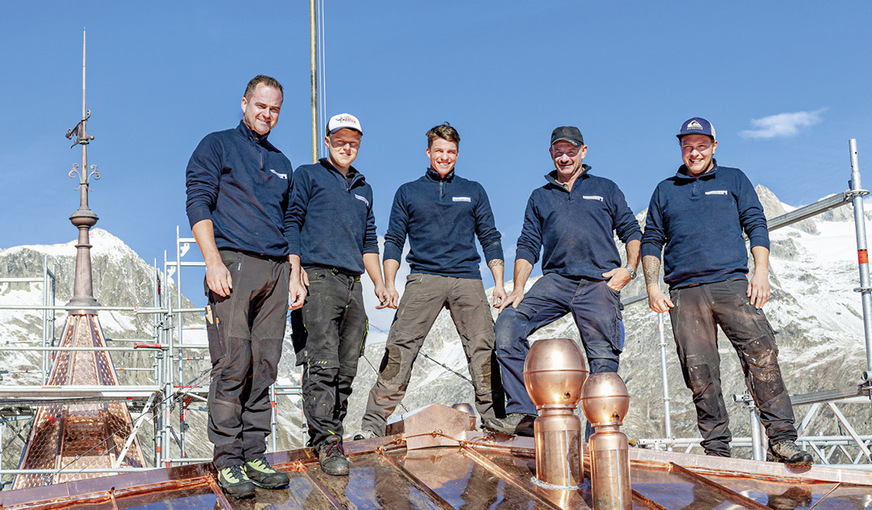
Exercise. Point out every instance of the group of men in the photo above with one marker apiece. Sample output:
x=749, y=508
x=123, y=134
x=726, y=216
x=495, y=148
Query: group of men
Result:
x=275, y=238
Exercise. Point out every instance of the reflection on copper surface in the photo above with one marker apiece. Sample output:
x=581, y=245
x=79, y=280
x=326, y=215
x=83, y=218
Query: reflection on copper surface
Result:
x=553, y=375
x=82, y=436
x=605, y=404
x=480, y=471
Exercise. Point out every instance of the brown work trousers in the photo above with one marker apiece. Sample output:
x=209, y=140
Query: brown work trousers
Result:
x=424, y=297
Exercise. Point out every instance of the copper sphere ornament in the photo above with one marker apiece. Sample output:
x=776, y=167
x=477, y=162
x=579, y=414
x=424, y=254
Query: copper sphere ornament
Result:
x=554, y=374
x=605, y=403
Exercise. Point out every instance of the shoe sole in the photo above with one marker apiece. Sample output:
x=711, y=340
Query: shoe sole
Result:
x=333, y=472
x=271, y=487
x=238, y=496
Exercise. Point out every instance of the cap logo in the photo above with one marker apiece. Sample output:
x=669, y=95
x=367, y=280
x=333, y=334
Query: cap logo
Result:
x=694, y=124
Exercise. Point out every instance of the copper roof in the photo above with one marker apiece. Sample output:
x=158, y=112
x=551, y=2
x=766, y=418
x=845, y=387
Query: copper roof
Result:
x=469, y=470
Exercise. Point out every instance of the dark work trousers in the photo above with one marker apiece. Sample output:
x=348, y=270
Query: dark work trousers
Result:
x=424, y=297
x=245, y=332
x=697, y=313
x=594, y=306
x=335, y=333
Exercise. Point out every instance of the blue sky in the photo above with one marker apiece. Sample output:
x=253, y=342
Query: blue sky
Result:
x=785, y=83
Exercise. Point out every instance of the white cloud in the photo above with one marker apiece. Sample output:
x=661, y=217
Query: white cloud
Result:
x=782, y=125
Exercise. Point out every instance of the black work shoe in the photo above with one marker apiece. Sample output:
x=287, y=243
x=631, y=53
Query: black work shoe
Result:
x=364, y=434
x=234, y=483
x=332, y=458
x=515, y=424
x=263, y=475
x=787, y=452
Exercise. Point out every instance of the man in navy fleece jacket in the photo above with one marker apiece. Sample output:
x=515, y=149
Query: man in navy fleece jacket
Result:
x=333, y=237
x=572, y=219
x=699, y=214
x=442, y=214
x=238, y=205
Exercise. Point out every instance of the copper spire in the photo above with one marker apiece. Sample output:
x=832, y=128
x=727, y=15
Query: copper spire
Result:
x=65, y=438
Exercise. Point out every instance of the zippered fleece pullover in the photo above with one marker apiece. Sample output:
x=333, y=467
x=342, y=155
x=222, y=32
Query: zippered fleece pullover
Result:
x=442, y=218
x=251, y=213
x=700, y=221
x=332, y=223
x=575, y=230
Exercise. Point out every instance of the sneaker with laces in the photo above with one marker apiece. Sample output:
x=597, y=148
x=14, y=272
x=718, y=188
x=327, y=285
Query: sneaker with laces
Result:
x=263, y=475
x=235, y=483
x=332, y=458
x=787, y=452
x=364, y=434
x=515, y=424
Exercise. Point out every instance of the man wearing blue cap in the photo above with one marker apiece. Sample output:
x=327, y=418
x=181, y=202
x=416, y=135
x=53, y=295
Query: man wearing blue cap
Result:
x=699, y=215
x=572, y=221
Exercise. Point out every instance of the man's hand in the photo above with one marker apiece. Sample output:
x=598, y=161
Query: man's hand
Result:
x=218, y=279
x=513, y=299
x=618, y=277
x=394, y=297
x=658, y=300
x=384, y=297
x=499, y=295
x=298, y=294
x=758, y=289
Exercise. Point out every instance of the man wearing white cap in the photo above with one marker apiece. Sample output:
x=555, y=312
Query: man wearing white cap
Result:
x=699, y=215
x=334, y=239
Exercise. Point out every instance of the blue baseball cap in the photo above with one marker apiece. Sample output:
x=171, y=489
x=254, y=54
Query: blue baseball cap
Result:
x=697, y=126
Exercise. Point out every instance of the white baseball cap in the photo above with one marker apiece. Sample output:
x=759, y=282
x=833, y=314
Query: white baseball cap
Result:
x=343, y=121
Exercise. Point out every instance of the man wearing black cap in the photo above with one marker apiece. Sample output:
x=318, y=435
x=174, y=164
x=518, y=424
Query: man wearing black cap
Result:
x=333, y=237
x=699, y=215
x=572, y=220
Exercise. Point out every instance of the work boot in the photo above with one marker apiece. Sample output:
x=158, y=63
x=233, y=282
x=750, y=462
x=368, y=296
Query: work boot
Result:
x=263, y=475
x=364, y=434
x=787, y=452
x=234, y=483
x=332, y=458
x=515, y=424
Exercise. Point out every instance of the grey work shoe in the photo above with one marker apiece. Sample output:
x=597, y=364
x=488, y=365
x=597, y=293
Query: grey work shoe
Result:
x=364, y=434
x=515, y=424
x=787, y=452
x=234, y=483
x=332, y=458
x=263, y=475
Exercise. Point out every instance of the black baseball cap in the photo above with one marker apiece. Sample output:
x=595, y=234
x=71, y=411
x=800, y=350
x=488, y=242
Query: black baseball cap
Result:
x=570, y=134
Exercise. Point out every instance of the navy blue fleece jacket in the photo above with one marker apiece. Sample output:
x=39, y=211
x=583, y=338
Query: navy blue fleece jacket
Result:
x=332, y=224
x=700, y=221
x=442, y=218
x=242, y=183
x=575, y=230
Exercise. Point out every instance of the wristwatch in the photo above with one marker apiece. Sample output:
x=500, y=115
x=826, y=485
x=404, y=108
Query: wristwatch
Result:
x=632, y=272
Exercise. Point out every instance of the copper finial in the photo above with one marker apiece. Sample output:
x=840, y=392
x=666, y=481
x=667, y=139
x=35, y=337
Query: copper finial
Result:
x=554, y=373
x=605, y=403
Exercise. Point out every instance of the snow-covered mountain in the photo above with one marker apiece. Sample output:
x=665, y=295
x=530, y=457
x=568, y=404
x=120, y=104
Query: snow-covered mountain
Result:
x=813, y=271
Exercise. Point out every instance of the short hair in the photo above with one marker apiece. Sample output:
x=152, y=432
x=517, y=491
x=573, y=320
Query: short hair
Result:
x=444, y=131
x=268, y=81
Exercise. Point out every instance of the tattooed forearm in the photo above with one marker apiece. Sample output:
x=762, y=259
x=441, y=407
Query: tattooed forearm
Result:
x=495, y=262
x=651, y=267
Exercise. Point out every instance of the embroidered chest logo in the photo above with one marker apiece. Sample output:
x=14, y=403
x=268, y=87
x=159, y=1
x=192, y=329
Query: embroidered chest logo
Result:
x=461, y=199
x=592, y=197
x=362, y=199
x=281, y=176
x=716, y=192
